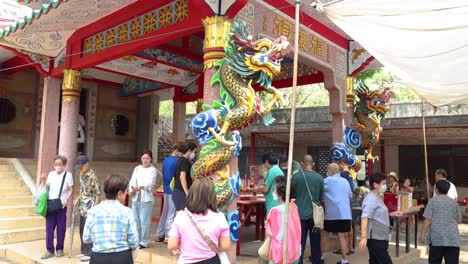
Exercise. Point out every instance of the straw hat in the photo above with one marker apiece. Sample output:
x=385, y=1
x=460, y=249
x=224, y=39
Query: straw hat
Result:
x=394, y=175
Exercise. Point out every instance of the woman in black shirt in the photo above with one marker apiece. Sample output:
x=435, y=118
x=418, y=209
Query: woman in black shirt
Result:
x=183, y=179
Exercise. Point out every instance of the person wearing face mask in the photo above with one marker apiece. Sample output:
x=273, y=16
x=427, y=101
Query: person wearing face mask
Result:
x=183, y=179
x=167, y=217
x=141, y=189
x=60, y=184
x=89, y=197
x=375, y=221
x=274, y=226
x=111, y=226
x=270, y=161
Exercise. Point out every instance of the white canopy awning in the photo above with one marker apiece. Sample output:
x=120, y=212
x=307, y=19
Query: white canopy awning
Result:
x=424, y=42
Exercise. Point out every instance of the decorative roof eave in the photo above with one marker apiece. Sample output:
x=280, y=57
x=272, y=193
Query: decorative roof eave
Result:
x=27, y=20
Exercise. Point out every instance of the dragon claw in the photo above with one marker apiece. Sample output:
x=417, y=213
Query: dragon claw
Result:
x=220, y=138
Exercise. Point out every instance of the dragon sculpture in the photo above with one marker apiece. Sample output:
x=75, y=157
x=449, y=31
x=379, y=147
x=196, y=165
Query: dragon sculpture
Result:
x=247, y=62
x=370, y=109
x=364, y=131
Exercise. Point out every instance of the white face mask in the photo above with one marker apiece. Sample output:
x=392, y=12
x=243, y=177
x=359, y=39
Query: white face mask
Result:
x=192, y=156
x=383, y=188
x=58, y=169
x=275, y=196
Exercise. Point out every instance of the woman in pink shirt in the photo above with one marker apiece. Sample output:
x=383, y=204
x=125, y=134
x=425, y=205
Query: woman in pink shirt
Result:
x=274, y=227
x=184, y=235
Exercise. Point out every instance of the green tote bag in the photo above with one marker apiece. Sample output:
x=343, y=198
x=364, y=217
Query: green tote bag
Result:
x=41, y=208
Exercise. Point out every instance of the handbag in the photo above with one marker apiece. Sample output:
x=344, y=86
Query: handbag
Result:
x=41, y=207
x=221, y=254
x=317, y=209
x=264, y=250
x=54, y=205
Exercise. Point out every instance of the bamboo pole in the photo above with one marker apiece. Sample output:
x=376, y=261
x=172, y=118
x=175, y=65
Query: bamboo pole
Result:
x=426, y=167
x=291, y=131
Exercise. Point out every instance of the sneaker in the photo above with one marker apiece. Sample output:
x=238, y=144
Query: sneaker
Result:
x=47, y=255
x=143, y=247
x=85, y=258
x=59, y=253
x=79, y=255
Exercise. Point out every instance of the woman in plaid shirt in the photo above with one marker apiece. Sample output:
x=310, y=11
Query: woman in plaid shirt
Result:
x=111, y=226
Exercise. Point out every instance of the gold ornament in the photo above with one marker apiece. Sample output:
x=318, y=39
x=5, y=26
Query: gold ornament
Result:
x=350, y=91
x=71, y=88
x=216, y=30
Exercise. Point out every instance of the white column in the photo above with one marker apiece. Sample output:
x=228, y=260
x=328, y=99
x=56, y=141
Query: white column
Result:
x=154, y=133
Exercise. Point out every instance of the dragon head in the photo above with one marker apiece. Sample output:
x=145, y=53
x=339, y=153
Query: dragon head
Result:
x=375, y=101
x=263, y=55
x=258, y=60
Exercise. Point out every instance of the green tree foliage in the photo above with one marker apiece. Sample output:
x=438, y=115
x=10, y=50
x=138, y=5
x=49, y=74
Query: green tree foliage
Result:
x=382, y=78
x=312, y=95
x=315, y=95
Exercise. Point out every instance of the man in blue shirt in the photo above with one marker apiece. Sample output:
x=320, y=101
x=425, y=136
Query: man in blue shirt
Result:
x=169, y=210
x=337, y=198
x=344, y=173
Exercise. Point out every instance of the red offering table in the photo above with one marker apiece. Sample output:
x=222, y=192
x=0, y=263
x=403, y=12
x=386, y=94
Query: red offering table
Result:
x=249, y=206
x=159, y=195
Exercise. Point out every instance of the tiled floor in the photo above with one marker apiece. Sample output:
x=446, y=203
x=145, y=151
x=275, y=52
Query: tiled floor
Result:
x=32, y=250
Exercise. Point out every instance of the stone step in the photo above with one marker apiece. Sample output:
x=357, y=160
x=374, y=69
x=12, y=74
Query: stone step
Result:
x=17, y=210
x=16, y=200
x=5, y=167
x=21, y=222
x=8, y=175
x=14, y=191
x=22, y=234
x=12, y=182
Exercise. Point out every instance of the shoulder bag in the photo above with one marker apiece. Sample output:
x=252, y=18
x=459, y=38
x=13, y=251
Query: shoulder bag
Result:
x=264, y=250
x=54, y=205
x=221, y=254
x=317, y=209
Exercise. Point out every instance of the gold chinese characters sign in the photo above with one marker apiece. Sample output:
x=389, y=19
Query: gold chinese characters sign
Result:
x=277, y=25
x=71, y=88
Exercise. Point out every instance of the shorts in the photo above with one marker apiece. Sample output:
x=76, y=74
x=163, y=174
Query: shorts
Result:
x=337, y=226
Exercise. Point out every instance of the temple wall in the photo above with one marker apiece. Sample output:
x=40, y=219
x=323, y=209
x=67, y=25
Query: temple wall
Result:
x=18, y=136
x=115, y=138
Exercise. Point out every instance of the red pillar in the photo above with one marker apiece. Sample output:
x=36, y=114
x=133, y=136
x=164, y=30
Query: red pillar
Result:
x=382, y=155
x=369, y=167
x=49, y=126
x=69, y=124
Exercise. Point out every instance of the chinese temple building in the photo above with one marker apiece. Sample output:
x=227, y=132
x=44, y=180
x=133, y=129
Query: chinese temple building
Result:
x=87, y=76
x=107, y=64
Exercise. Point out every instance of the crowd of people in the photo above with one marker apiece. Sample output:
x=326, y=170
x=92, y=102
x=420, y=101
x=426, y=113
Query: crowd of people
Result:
x=193, y=228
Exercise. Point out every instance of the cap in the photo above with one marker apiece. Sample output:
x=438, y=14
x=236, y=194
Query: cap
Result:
x=81, y=161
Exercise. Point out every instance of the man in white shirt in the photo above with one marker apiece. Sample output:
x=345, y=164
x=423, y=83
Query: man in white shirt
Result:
x=440, y=175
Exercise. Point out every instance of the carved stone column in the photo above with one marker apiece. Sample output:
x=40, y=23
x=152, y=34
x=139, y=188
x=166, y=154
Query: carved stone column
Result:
x=178, y=123
x=338, y=110
x=71, y=90
x=49, y=126
x=216, y=30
